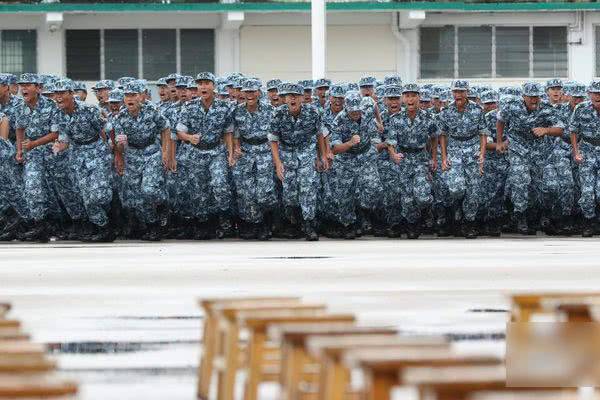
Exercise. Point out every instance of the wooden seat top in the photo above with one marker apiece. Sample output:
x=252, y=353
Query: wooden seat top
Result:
x=4, y=308
x=534, y=299
x=236, y=312
x=462, y=375
x=261, y=320
x=21, y=347
x=508, y=394
x=396, y=359
x=9, y=323
x=18, y=386
x=26, y=366
x=298, y=333
x=240, y=301
x=335, y=346
x=12, y=333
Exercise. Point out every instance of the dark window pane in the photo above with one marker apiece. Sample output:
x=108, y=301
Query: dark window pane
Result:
x=197, y=51
x=121, y=53
x=512, y=52
x=159, y=53
x=598, y=51
x=475, y=52
x=18, y=53
x=83, y=54
x=437, y=52
x=550, y=51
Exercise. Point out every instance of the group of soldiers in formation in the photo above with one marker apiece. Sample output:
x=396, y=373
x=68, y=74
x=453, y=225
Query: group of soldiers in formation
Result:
x=225, y=157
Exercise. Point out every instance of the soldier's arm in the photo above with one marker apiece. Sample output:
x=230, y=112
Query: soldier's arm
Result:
x=49, y=138
x=433, y=142
x=574, y=144
x=165, y=135
x=500, y=135
x=4, y=128
x=20, y=137
x=443, y=144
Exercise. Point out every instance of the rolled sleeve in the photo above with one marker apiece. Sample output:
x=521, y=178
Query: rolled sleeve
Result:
x=182, y=127
x=273, y=137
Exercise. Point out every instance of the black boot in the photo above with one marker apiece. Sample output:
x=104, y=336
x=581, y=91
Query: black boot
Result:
x=588, y=228
x=470, y=230
x=308, y=227
x=248, y=230
x=349, y=232
x=521, y=223
x=413, y=231
x=152, y=233
x=226, y=228
x=104, y=234
x=38, y=233
x=494, y=227
x=263, y=231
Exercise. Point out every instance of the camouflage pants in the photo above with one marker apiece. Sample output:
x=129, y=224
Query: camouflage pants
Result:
x=413, y=186
x=144, y=182
x=494, y=185
x=390, y=209
x=463, y=179
x=11, y=179
x=325, y=196
x=559, y=184
x=210, y=186
x=300, y=181
x=39, y=196
x=62, y=178
x=93, y=176
x=525, y=180
x=253, y=177
x=357, y=185
x=589, y=181
x=180, y=183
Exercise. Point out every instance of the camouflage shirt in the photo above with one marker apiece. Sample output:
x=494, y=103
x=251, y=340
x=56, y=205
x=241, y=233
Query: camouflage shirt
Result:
x=82, y=126
x=462, y=125
x=142, y=130
x=344, y=128
x=253, y=128
x=404, y=132
x=11, y=109
x=37, y=121
x=585, y=121
x=520, y=121
x=210, y=124
x=296, y=132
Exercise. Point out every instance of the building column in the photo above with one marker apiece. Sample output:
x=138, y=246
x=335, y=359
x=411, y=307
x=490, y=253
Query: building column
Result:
x=227, y=43
x=581, y=51
x=51, y=57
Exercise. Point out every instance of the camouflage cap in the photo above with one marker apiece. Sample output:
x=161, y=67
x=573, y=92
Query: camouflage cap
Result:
x=380, y=91
x=367, y=81
x=532, y=89
x=161, y=82
x=172, y=77
x=392, y=80
x=410, y=88
x=473, y=92
x=323, y=82
x=104, y=84
x=425, y=95
x=125, y=79
x=132, y=88
x=337, y=91
x=273, y=84
x=594, y=86
x=116, y=96
x=237, y=82
x=48, y=88
x=577, y=90
x=489, y=96
x=222, y=89
x=192, y=84
x=306, y=84
x=206, y=76
x=5, y=79
x=352, y=101
x=79, y=86
x=182, y=81
x=28, y=77
x=555, y=82
x=12, y=79
x=63, y=85
x=251, y=85
x=393, y=90
x=460, y=84
x=446, y=96
x=352, y=86
x=290, y=88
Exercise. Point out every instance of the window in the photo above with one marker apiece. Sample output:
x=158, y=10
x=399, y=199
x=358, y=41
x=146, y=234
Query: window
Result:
x=146, y=53
x=494, y=52
x=18, y=51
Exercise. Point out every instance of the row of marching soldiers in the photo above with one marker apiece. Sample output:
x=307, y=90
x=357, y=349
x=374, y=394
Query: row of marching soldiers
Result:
x=227, y=157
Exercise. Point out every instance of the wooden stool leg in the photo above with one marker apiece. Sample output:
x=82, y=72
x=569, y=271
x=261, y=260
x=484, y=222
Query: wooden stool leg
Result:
x=207, y=358
x=296, y=367
x=226, y=376
x=380, y=386
x=255, y=361
x=334, y=380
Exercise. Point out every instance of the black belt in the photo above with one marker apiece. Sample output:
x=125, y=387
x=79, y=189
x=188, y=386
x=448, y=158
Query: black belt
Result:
x=593, y=142
x=206, y=146
x=84, y=142
x=411, y=149
x=139, y=146
x=254, y=141
x=358, y=150
x=463, y=139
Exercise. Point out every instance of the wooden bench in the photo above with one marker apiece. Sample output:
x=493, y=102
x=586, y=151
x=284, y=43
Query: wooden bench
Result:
x=211, y=337
x=21, y=351
x=525, y=305
x=12, y=334
x=40, y=386
x=383, y=367
x=296, y=362
x=257, y=324
x=4, y=309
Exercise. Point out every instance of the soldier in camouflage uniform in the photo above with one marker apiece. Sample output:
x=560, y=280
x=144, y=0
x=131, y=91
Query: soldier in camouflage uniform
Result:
x=206, y=126
x=80, y=90
x=101, y=90
x=530, y=124
x=140, y=129
x=164, y=95
x=463, y=139
x=296, y=131
x=585, y=143
x=79, y=127
x=410, y=131
x=273, y=93
x=357, y=187
x=11, y=179
x=253, y=170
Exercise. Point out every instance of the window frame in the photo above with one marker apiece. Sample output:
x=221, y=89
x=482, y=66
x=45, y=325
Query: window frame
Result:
x=494, y=75
x=36, y=47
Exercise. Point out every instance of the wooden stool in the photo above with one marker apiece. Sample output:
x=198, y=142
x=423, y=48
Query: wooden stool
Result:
x=525, y=305
x=12, y=334
x=381, y=367
x=295, y=359
x=4, y=309
x=41, y=386
x=20, y=351
x=258, y=323
x=335, y=376
x=210, y=336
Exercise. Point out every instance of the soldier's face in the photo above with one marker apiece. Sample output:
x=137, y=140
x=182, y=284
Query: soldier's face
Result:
x=192, y=93
x=595, y=99
x=64, y=100
x=424, y=105
x=411, y=101
x=182, y=93
x=354, y=115
x=81, y=95
x=4, y=90
x=555, y=94
x=251, y=97
x=487, y=107
x=273, y=97
x=294, y=102
x=367, y=91
x=337, y=104
x=460, y=97
x=321, y=92
x=307, y=96
x=173, y=92
x=573, y=101
x=531, y=102
x=206, y=89
x=163, y=93
x=114, y=106
x=102, y=95
x=132, y=101
x=14, y=89
x=437, y=103
x=393, y=104
x=30, y=91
